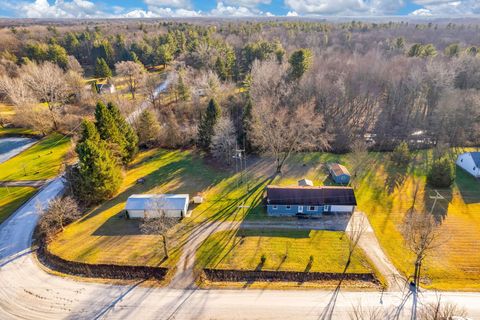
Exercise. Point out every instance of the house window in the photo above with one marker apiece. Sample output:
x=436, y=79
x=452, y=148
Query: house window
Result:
x=461, y=160
x=274, y=207
x=288, y=207
x=312, y=208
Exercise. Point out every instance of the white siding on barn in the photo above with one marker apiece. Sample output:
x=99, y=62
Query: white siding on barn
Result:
x=136, y=214
x=341, y=208
x=465, y=161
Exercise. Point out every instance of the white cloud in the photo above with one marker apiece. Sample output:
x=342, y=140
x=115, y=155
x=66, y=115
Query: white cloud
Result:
x=292, y=14
x=222, y=10
x=449, y=8
x=59, y=9
x=421, y=13
x=344, y=7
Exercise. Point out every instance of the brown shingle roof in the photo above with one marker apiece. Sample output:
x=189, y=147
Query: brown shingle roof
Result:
x=338, y=169
x=311, y=195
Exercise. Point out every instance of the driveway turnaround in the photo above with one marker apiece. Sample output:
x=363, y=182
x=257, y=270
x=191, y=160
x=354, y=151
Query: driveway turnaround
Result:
x=28, y=292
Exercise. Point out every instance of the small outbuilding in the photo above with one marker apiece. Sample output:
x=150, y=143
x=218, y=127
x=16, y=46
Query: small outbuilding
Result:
x=305, y=183
x=339, y=173
x=470, y=162
x=140, y=206
x=309, y=201
x=106, y=88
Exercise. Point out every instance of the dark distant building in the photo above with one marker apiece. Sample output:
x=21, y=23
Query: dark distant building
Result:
x=309, y=201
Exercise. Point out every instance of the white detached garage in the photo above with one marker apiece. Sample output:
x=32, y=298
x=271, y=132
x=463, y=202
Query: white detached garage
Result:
x=140, y=206
x=470, y=162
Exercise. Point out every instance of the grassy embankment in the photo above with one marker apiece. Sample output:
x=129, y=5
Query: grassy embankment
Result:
x=12, y=198
x=41, y=161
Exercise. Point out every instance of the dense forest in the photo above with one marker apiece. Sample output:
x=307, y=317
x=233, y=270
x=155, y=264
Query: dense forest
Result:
x=268, y=85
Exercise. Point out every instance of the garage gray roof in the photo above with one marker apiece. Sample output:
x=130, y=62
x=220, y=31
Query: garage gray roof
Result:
x=157, y=201
x=311, y=195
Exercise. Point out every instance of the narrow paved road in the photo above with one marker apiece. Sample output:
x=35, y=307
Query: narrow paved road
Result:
x=10, y=147
x=23, y=183
x=28, y=292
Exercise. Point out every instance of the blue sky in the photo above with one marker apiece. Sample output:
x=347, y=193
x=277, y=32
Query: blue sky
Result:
x=234, y=8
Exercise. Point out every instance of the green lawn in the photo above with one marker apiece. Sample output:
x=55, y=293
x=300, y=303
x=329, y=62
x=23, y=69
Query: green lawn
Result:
x=383, y=191
x=12, y=198
x=104, y=236
x=41, y=161
x=284, y=250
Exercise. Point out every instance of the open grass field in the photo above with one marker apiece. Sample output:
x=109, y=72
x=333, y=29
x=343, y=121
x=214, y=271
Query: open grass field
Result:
x=12, y=198
x=284, y=250
x=41, y=161
x=105, y=236
x=383, y=191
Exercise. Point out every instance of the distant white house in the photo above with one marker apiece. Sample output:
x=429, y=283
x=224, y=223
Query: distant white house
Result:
x=106, y=88
x=470, y=162
x=141, y=206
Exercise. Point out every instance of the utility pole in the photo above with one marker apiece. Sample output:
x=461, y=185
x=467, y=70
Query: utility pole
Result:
x=436, y=197
x=240, y=163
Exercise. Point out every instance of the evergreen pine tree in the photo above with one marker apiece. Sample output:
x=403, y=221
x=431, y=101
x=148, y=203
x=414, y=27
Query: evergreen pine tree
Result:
x=99, y=176
x=182, y=89
x=247, y=125
x=148, y=129
x=102, y=70
x=109, y=131
x=129, y=134
x=207, y=122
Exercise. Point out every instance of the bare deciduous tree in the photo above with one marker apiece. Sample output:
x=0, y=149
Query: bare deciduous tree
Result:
x=422, y=235
x=223, y=140
x=151, y=90
x=281, y=130
x=60, y=211
x=134, y=74
x=439, y=310
x=49, y=84
x=357, y=226
x=156, y=221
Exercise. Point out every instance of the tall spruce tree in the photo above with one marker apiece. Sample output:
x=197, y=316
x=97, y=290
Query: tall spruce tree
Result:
x=129, y=134
x=109, y=131
x=102, y=70
x=99, y=176
x=207, y=123
x=247, y=125
x=148, y=129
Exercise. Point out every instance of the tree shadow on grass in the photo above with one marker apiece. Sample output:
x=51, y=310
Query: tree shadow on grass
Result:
x=438, y=208
x=327, y=312
x=468, y=186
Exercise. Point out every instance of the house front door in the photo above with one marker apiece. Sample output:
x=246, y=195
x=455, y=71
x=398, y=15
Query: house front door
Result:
x=300, y=209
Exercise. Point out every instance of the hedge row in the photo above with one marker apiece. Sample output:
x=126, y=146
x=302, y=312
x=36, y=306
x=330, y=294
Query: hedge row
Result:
x=106, y=271
x=248, y=275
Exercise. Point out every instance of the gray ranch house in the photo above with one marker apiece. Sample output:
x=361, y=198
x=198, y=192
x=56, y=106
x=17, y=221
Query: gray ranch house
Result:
x=309, y=201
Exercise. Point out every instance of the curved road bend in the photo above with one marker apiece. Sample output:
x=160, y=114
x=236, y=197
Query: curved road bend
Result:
x=28, y=292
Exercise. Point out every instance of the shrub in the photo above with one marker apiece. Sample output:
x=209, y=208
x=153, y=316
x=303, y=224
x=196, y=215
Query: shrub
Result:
x=441, y=173
x=263, y=258
x=401, y=154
